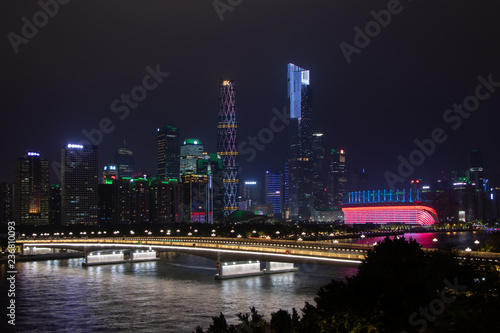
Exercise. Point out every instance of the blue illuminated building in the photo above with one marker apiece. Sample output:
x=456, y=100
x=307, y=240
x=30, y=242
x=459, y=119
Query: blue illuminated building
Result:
x=274, y=191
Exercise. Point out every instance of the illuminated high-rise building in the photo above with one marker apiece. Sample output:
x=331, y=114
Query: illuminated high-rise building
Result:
x=337, y=178
x=31, y=190
x=300, y=99
x=79, y=184
x=191, y=151
x=55, y=204
x=476, y=208
x=125, y=162
x=319, y=172
x=299, y=167
x=251, y=193
x=6, y=205
x=274, y=191
x=211, y=165
x=168, y=152
x=227, y=143
x=110, y=173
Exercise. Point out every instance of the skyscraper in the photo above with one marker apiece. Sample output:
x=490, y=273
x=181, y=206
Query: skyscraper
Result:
x=110, y=173
x=274, y=191
x=251, y=193
x=6, y=205
x=299, y=179
x=300, y=98
x=31, y=190
x=476, y=194
x=337, y=178
x=211, y=165
x=191, y=151
x=79, y=184
x=125, y=161
x=226, y=144
x=168, y=152
x=105, y=203
x=319, y=172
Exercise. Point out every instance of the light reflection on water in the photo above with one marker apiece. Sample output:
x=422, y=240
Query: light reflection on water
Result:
x=172, y=295
x=426, y=239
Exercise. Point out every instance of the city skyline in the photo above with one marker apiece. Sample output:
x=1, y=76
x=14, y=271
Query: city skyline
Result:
x=398, y=98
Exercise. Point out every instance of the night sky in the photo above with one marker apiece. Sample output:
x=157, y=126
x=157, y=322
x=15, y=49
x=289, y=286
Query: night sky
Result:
x=396, y=89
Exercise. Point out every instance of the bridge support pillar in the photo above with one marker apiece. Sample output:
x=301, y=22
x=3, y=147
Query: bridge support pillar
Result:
x=235, y=269
x=100, y=259
x=141, y=255
x=279, y=267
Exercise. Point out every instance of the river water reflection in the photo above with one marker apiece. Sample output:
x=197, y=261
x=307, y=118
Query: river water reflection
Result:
x=174, y=294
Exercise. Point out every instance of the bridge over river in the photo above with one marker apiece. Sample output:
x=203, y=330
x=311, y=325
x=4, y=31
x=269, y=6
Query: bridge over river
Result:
x=233, y=256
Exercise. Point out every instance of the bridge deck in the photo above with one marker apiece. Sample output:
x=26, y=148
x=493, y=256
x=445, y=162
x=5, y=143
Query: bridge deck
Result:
x=325, y=253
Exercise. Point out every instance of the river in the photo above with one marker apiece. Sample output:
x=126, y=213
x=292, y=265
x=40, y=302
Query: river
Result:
x=174, y=294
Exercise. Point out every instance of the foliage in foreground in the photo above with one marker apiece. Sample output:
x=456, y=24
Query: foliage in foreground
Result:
x=398, y=287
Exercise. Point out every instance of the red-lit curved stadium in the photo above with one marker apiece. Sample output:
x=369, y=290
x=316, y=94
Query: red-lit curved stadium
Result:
x=387, y=208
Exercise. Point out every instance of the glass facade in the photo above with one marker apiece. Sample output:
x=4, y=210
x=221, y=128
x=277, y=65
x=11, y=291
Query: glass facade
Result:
x=191, y=151
x=299, y=172
x=125, y=161
x=31, y=190
x=79, y=184
x=274, y=191
x=168, y=152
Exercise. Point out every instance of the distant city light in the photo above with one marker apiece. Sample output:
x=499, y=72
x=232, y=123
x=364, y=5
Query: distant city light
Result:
x=73, y=146
x=33, y=153
x=426, y=187
x=250, y=183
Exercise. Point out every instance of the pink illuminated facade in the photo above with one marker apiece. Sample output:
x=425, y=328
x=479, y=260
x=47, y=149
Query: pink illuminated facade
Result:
x=387, y=214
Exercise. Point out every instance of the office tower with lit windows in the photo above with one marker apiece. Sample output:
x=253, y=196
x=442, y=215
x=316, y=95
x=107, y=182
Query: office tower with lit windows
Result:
x=227, y=143
x=79, y=184
x=55, y=204
x=121, y=201
x=168, y=152
x=337, y=178
x=6, y=202
x=166, y=201
x=251, y=193
x=31, y=190
x=299, y=166
x=211, y=165
x=476, y=208
x=300, y=100
x=140, y=201
x=274, y=192
x=125, y=162
x=191, y=151
x=319, y=172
